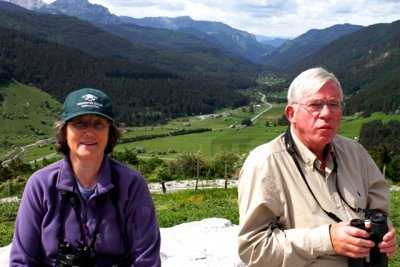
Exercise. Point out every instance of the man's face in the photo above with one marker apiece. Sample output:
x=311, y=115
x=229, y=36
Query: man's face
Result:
x=316, y=118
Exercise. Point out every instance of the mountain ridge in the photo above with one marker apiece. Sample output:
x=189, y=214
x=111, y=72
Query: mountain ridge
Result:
x=366, y=63
x=234, y=41
x=144, y=93
x=28, y=4
x=73, y=32
x=363, y=58
x=299, y=48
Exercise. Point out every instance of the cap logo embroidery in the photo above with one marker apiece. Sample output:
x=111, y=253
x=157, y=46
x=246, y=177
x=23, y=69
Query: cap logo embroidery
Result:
x=89, y=102
x=89, y=97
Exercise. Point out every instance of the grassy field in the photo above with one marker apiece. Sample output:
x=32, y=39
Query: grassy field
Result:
x=190, y=205
x=351, y=127
x=27, y=115
x=32, y=110
x=227, y=133
x=26, y=111
x=223, y=136
x=239, y=139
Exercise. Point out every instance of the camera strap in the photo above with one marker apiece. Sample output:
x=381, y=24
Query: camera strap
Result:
x=73, y=199
x=292, y=151
x=368, y=212
x=60, y=234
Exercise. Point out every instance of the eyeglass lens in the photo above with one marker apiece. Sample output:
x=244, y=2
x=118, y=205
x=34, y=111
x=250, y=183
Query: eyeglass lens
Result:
x=318, y=104
x=97, y=124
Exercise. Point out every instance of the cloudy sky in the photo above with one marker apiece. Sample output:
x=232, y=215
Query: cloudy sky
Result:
x=274, y=18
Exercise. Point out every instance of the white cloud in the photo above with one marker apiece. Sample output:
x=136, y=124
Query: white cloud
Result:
x=264, y=17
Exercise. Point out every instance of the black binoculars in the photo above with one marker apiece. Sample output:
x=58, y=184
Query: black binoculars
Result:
x=68, y=256
x=377, y=230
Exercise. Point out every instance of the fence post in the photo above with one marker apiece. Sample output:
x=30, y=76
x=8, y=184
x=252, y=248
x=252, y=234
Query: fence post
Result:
x=226, y=175
x=197, y=174
x=9, y=186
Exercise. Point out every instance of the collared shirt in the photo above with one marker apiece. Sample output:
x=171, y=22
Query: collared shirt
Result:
x=281, y=224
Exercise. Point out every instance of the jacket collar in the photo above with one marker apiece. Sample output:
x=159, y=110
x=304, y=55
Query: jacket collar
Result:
x=308, y=157
x=66, y=179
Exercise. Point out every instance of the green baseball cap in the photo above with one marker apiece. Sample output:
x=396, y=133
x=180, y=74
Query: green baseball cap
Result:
x=87, y=101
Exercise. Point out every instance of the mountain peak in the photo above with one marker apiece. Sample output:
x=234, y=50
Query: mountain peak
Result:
x=84, y=10
x=28, y=4
x=71, y=2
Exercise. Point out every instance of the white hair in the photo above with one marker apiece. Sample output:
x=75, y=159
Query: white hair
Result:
x=310, y=81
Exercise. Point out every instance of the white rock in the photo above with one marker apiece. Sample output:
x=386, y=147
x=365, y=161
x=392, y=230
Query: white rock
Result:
x=4, y=256
x=209, y=242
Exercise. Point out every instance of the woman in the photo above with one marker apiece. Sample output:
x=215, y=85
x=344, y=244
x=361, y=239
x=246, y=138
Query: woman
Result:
x=86, y=209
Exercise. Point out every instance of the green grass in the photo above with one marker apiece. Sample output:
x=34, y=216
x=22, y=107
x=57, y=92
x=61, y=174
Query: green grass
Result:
x=38, y=151
x=239, y=140
x=191, y=205
x=26, y=111
x=8, y=212
x=140, y=131
x=351, y=128
x=395, y=217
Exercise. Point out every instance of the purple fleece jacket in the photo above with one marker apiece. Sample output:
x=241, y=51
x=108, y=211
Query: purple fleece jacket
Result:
x=38, y=220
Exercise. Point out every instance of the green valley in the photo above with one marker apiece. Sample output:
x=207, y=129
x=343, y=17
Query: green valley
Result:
x=28, y=115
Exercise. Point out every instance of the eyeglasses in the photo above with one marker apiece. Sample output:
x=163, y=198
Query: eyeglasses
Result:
x=97, y=124
x=316, y=105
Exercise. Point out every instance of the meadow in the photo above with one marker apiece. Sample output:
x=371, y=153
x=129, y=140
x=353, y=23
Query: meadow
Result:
x=226, y=133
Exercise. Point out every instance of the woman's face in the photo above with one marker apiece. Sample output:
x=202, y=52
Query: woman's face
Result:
x=87, y=137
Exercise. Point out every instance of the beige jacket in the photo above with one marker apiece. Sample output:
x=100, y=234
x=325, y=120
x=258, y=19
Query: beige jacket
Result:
x=281, y=224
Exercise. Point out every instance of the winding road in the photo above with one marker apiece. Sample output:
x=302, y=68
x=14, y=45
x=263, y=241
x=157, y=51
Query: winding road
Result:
x=23, y=150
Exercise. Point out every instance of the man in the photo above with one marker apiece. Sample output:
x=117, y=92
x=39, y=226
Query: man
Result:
x=298, y=193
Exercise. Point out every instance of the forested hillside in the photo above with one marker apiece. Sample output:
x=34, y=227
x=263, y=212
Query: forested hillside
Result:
x=305, y=45
x=383, y=143
x=142, y=94
x=236, y=42
x=194, y=59
x=367, y=65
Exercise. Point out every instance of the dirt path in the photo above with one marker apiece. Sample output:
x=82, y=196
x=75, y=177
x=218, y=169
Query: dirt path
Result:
x=23, y=150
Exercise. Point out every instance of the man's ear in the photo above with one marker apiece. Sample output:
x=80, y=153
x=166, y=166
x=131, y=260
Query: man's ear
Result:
x=289, y=112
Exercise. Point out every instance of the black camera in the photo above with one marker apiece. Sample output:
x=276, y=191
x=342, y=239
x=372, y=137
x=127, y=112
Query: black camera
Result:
x=68, y=256
x=377, y=230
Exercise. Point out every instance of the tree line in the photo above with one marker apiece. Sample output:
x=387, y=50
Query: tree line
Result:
x=383, y=143
x=186, y=165
x=381, y=140
x=142, y=94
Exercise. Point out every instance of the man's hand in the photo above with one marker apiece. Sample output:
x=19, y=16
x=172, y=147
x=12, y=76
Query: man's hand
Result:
x=389, y=243
x=353, y=242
